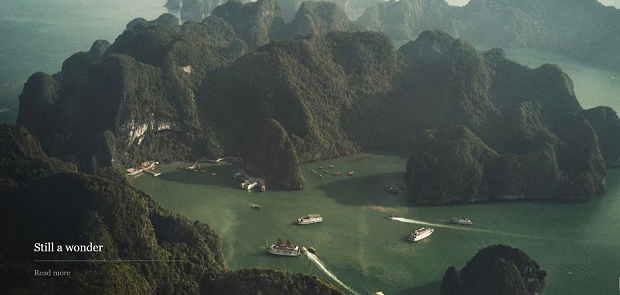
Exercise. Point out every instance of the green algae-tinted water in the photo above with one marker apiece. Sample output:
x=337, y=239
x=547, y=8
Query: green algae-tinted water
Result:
x=368, y=252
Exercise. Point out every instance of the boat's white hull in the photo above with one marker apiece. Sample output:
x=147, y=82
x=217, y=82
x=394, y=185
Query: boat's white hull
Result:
x=291, y=253
x=311, y=221
x=421, y=236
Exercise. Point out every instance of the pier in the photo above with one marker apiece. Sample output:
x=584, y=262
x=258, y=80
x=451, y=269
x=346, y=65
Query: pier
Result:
x=145, y=168
x=249, y=182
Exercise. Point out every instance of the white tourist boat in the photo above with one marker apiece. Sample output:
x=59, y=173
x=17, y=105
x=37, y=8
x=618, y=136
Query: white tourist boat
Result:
x=420, y=234
x=310, y=219
x=284, y=249
x=463, y=221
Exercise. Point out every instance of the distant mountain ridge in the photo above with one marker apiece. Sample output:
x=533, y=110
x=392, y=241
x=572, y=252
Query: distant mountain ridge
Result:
x=582, y=29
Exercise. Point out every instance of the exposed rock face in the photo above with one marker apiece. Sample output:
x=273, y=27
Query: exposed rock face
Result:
x=193, y=10
x=173, y=4
x=605, y=121
x=567, y=27
x=498, y=269
x=170, y=92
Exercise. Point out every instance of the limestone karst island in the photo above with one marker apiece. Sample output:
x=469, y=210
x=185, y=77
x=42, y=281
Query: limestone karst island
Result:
x=360, y=147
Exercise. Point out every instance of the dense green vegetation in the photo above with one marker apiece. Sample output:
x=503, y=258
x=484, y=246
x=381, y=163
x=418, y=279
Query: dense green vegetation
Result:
x=585, y=30
x=166, y=92
x=271, y=154
x=498, y=269
x=48, y=202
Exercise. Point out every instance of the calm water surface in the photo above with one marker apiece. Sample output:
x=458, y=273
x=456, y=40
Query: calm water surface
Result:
x=368, y=252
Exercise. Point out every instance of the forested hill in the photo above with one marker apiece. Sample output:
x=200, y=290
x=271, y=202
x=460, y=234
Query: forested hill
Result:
x=167, y=92
x=582, y=29
x=45, y=200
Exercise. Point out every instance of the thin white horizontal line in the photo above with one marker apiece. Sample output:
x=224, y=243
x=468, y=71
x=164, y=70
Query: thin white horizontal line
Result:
x=113, y=260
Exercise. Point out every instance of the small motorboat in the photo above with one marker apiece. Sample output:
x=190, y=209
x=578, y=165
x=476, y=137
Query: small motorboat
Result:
x=312, y=250
x=256, y=206
x=213, y=174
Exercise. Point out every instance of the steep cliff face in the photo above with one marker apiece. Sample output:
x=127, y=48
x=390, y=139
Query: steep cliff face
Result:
x=270, y=154
x=605, y=121
x=498, y=269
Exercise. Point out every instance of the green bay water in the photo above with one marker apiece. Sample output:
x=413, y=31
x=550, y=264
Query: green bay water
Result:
x=370, y=253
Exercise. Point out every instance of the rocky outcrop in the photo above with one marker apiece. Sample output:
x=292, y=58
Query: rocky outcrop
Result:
x=173, y=4
x=319, y=18
x=256, y=23
x=569, y=28
x=498, y=269
x=405, y=20
x=270, y=154
x=605, y=121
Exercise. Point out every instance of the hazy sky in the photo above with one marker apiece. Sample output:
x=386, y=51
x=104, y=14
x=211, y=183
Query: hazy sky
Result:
x=606, y=2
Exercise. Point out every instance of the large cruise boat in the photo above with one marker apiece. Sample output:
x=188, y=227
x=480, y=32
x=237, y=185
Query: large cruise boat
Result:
x=310, y=219
x=420, y=234
x=459, y=220
x=284, y=249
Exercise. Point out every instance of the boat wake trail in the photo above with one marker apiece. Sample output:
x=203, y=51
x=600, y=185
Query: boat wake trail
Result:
x=320, y=264
x=413, y=221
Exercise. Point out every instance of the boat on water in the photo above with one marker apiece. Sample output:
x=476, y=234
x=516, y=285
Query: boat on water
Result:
x=313, y=172
x=312, y=250
x=351, y=173
x=420, y=234
x=194, y=167
x=310, y=219
x=331, y=167
x=390, y=217
x=459, y=220
x=256, y=206
x=213, y=174
x=325, y=171
x=336, y=173
x=390, y=189
x=283, y=249
x=303, y=249
x=320, y=175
